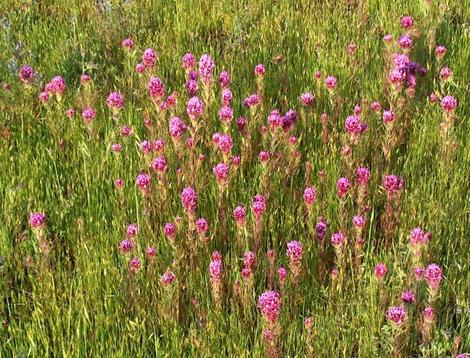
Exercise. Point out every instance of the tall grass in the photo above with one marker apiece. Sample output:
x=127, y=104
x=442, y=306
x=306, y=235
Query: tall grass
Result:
x=82, y=299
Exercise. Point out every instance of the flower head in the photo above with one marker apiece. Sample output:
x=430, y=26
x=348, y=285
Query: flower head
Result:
x=126, y=246
x=88, y=115
x=260, y=70
x=194, y=108
x=156, y=88
x=393, y=184
x=115, y=101
x=221, y=172
x=338, y=240
x=149, y=58
x=160, y=164
x=135, y=265
x=206, y=68
x=310, y=195
x=448, y=104
x=331, y=82
x=406, y=22
x=380, y=271
x=127, y=43
x=189, y=61
x=396, y=315
x=202, y=226
x=132, y=231
x=26, y=74
x=362, y=175
x=189, y=199
x=169, y=230
x=167, y=278
x=294, y=251
x=433, y=276
x=224, y=79
x=343, y=185
x=259, y=206
x=37, y=220
x=176, y=128
x=307, y=99
x=249, y=259
x=270, y=305
x=215, y=269
x=408, y=297
x=143, y=182
x=239, y=215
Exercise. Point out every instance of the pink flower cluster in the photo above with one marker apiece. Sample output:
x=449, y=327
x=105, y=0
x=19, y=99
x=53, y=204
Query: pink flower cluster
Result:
x=433, y=276
x=343, y=185
x=396, y=315
x=270, y=305
x=37, y=220
x=239, y=215
x=206, y=68
x=294, y=252
x=310, y=195
x=189, y=200
x=167, y=278
x=393, y=184
x=215, y=267
x=115, y=101
x=26, y=74
x=259, y=206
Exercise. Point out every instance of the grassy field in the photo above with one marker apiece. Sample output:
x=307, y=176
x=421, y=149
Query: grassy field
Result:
x=84, y=283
